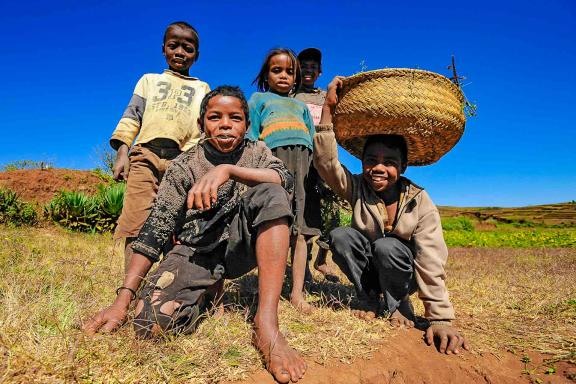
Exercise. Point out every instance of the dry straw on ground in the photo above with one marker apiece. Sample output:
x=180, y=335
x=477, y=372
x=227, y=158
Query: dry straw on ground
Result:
x=50, y=279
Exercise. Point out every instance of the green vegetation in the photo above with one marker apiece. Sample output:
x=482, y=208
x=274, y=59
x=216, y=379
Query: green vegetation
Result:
x=469, y=231
x=14, y=211
x=457, y=223
x=80, y=212
x=26, y=164
x=550, y=238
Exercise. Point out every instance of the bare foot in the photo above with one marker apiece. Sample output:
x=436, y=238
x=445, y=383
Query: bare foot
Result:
x=403, y=316
x=301, y=305
x=364, y=315
x=367, y=307
x=327, y=271
x=283, y=362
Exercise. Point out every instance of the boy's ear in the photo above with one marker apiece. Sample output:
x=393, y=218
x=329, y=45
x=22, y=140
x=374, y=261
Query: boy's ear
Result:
x=196, y=56
x=403, y=168
x=200, y=125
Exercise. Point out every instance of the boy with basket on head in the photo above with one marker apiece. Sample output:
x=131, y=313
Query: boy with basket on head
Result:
x=160, y=122
x=226, y=200
x=395, y=245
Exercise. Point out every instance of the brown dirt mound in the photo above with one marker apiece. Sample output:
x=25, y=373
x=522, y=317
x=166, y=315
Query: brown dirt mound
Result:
x=40, y=186
x=407, y=359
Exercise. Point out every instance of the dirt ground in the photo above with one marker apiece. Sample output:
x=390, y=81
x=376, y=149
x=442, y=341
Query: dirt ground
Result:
x=406, y=359
x=35, y=185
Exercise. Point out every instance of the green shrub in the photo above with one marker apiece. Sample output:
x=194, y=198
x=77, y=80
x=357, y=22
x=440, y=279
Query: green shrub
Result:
x=80, y=212
x=15, y=212
x=457, y=224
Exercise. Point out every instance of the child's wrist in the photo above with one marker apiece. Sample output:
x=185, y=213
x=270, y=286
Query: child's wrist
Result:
x=441, y=322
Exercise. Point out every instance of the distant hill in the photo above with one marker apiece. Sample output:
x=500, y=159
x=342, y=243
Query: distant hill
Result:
x=549, y=214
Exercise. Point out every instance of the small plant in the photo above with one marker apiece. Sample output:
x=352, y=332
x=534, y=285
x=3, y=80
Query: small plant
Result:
x=457, y=224
x=103, y=175
x=15, y=212
x=27, y=164
x=80, y=212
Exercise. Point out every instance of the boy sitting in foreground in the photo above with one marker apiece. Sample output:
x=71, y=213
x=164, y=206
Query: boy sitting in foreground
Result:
x=227, y=202
x=395, y=244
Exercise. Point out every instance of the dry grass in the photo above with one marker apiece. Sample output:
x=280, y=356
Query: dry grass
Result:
x=516, y=299
x=51, y=279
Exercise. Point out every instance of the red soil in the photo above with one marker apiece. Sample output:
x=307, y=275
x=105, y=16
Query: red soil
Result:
x=407, y=359
x=40, y=186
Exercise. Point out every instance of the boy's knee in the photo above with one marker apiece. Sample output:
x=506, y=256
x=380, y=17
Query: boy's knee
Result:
x=341, y=237
x=266, y=202
x=267, y=194
x=391, y=253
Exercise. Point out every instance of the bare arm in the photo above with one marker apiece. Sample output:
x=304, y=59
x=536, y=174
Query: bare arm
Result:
x=204, y=193
x=325, y=149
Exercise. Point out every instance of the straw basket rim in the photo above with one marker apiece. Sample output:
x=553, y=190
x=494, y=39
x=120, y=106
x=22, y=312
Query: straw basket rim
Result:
x=424, y=107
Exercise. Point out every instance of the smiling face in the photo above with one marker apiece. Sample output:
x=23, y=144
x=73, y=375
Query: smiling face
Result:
x=281, y=74
x=225, y=123
x=180, y=49
x=382, y=166
x=310, y=72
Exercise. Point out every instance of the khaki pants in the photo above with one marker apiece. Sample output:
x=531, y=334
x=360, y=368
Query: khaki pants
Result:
x=144, y=177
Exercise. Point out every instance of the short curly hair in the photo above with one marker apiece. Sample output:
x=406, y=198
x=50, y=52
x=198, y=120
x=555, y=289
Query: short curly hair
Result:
x=225, y=90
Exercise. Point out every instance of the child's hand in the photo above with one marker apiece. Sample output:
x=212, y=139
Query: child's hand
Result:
x=331, y=100
x=107, y=320
x=122, y=164
x=450, y=339
x=204, y=192
x=332, y=93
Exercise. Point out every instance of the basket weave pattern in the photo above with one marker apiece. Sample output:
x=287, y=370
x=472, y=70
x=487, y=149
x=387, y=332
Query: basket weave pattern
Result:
x=424, y=107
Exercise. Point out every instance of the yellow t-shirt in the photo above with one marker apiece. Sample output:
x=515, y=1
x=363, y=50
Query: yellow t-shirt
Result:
x=165, y=105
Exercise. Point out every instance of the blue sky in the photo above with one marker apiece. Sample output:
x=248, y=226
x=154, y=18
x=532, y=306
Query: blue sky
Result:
x=70, y=67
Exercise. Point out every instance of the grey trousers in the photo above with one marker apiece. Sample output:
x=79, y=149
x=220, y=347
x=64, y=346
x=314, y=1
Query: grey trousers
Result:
x=385, y=266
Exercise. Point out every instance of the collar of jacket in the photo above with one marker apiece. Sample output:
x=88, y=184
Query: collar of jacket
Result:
x=376, y=206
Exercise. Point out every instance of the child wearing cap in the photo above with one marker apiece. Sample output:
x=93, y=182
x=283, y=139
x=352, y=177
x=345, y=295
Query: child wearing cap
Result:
x=322, y=210
x=395, y=244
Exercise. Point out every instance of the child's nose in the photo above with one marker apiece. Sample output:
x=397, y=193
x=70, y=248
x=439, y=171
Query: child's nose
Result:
x=225, y=122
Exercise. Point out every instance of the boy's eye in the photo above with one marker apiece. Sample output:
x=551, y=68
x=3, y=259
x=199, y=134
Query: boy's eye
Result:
x=237, y=117
x=290, y=71
x=189, y=49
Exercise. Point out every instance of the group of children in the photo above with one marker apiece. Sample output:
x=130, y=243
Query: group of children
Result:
x=220, y=185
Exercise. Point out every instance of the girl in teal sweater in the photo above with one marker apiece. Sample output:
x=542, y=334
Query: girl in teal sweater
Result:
x=285, y=125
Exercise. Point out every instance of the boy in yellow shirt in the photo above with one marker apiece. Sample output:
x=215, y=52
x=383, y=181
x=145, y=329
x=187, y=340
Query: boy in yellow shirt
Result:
x=159, y=123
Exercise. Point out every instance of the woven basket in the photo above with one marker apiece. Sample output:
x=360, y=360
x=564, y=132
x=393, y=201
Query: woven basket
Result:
x=425, y=108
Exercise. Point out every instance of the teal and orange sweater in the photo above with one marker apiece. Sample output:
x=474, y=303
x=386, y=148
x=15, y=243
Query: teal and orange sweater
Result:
x=280, y=121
